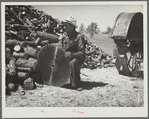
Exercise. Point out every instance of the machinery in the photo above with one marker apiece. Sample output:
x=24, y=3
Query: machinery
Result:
x=127, y=34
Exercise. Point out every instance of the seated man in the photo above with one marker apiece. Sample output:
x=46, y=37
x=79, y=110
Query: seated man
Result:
x=74, y=45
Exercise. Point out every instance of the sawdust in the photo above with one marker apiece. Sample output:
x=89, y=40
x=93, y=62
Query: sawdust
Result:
x=102, y=88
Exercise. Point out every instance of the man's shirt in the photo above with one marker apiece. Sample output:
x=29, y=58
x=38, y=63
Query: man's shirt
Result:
x=76, y=46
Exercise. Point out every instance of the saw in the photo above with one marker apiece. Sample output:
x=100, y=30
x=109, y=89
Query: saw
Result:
x=54, y=67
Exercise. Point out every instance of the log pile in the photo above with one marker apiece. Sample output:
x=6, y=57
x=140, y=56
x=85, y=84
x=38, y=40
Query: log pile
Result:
x=96, y=57
x=27, y=30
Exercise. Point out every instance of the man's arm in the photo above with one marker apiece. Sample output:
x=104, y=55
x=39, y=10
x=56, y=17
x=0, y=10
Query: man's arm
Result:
x=81, y=48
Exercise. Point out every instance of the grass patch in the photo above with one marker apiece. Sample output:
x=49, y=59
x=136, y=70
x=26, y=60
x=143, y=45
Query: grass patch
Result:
x=104, y=42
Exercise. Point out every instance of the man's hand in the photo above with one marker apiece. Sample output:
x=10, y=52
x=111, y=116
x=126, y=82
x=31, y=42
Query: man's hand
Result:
x=62, y=36
x=68, y=55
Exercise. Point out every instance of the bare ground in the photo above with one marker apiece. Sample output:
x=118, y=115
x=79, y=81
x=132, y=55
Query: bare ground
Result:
x=102, y=88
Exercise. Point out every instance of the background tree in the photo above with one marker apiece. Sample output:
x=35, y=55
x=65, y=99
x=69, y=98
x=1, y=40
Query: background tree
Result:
x=97, y=31
x=92, y=29
x=81, y=28
x=108, y=31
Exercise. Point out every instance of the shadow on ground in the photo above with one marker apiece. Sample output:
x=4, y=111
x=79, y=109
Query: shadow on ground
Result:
x=86, y=85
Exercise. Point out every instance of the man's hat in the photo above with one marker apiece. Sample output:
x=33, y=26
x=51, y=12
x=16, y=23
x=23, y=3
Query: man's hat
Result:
x=71, y=20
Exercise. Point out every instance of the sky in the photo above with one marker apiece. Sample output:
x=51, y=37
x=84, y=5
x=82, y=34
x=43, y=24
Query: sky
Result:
x=103, y=15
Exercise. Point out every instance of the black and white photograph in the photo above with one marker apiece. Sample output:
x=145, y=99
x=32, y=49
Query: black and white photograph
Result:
x=74, y=59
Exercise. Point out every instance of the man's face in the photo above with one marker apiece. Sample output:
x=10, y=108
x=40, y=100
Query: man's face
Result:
x=68, y=27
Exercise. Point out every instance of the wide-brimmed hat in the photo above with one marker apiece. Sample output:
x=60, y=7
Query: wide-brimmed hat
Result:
x=71, y=20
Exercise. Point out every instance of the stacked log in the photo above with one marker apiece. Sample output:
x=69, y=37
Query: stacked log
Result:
x=27, y=31
x=96, y=58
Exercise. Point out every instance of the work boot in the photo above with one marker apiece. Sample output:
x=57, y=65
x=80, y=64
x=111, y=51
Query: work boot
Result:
x=76, y=88
x=79, y=89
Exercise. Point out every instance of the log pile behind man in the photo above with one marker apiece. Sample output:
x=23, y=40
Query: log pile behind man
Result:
x=27, y=30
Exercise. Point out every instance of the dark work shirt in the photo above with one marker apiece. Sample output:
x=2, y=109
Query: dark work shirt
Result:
x=75, y=45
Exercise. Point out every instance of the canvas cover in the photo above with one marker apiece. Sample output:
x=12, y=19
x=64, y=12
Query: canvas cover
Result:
x=128, y=26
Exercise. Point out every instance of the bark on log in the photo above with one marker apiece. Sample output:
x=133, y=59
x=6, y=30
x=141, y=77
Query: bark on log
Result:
x=30, y=43
x=30, y=51
x=46, y=36
x=23, y=75
x=13, y=15
x=29, y=22
x=7, y=33
x=21, y=90
x=28, y=84
x=11, y=65
x=106, y=61
x=8, y=51
x=11, y=86
x=20, y=55
x=23, y=69
x=14, y=32
x=32, y=59
x=38, y=40
x=19, y=27
x=42, y=43
x=11, y=21
x=27, y=63
x=11, y=43
x=90, y=52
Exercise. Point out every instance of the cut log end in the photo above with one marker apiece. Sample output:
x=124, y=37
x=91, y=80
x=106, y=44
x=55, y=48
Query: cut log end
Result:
x=17, y=48
x=11, y=86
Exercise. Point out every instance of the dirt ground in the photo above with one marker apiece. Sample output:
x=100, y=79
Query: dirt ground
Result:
x=102, y=88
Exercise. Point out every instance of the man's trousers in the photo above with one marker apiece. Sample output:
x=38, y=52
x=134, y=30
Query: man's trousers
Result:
x=75, y=71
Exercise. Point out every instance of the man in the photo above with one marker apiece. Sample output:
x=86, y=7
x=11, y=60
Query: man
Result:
x=74, y=45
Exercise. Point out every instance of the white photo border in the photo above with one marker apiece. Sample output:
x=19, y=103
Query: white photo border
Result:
x=59, y=112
